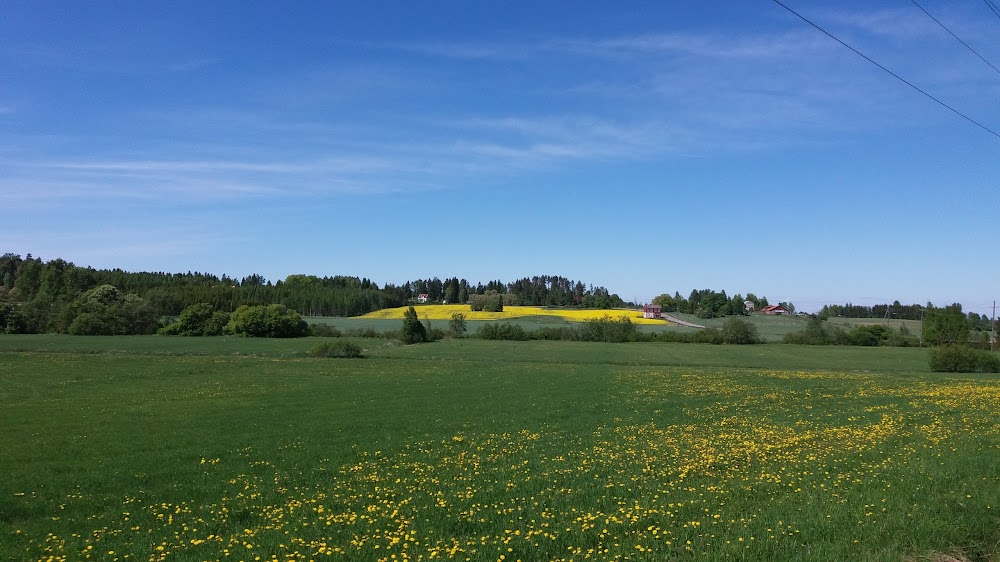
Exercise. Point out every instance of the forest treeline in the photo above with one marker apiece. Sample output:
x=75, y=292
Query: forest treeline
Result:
x=898, y=311
x=48, y=296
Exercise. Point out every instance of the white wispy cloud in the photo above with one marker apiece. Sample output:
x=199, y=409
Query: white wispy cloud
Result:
x=669, y=93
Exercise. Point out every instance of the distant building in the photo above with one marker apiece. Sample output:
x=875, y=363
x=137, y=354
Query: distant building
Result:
x=749, y=305
x=652, y=311
x=422, y=297
x=774, y=309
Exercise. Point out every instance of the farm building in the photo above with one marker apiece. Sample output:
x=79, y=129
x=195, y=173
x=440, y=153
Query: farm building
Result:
x=774, y=309
x=422, y=297
x=749, y=305
x=652, y=311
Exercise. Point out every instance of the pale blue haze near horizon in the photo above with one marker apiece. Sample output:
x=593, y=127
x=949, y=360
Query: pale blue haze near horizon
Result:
x=646, y=147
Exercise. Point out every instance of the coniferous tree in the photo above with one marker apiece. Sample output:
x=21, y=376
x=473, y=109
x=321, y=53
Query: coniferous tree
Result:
x=413, y=330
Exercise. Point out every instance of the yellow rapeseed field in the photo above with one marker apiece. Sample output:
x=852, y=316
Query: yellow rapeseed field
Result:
x=445, y=311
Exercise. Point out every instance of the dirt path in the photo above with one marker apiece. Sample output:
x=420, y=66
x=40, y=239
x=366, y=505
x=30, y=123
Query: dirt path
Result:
x=680, y=322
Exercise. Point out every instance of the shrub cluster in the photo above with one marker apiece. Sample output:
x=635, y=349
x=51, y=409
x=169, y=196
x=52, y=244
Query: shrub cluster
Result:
x=963, y=359
x=198, y=320
x=505, y=331
x=338, y=348
x=818, y=332
x=323, y=330
x=270, y=321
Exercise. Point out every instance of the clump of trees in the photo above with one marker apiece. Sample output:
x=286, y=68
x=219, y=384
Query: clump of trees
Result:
x=106, y=311
x=963, y=359
x=819, y=332
x=490, y=301
x=949, y=330
x=198, y=320
x=706, y=303
x=947, y=325
x=540, y=290
x=267, y=321
x=11, y=320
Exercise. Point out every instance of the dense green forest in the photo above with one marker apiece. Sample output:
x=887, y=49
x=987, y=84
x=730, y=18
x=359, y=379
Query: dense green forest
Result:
x=39, y=296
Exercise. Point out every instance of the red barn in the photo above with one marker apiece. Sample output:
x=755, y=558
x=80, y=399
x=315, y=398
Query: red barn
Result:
x=774, y=309
x=652, y=311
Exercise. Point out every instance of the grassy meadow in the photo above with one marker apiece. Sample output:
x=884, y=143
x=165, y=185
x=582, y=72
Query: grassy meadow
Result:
x=155, y=448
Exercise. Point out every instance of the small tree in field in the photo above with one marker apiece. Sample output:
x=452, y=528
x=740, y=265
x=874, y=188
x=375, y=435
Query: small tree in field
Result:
x=457, y=325
x=739, y=332
x=412, y=331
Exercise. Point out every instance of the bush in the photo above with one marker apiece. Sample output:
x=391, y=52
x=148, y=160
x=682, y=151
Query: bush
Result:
x=365, y=333
x=270, y=321
x=434, y=334
x=216, y=324
x=198, y=320
x=339, y=348
x=562, y=333
x=709, y=335
x=816, y=333
x=963, y=359
x=607, y=329
x=505, y=331
x=739, y=332
x=324, y=331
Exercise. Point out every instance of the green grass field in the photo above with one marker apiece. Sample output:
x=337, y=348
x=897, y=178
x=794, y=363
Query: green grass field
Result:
x=914, y=326
x=155, y=448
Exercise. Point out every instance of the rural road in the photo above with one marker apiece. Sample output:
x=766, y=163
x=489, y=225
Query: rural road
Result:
x=680, y=322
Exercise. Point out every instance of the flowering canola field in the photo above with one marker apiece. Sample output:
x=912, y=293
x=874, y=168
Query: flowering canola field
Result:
x=393, y=460
x=445, y=311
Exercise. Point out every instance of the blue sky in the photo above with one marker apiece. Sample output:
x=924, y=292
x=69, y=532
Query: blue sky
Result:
x=646, y=147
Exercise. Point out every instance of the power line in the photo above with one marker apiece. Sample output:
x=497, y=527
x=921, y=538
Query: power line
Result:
x=955, y=36
x=993, y=8
x=893, y=74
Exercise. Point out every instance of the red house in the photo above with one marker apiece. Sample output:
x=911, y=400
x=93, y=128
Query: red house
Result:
x=652, y=311
x=774, y=309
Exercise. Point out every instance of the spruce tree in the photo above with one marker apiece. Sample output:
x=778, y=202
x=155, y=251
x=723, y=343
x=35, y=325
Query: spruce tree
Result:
x=412, y=331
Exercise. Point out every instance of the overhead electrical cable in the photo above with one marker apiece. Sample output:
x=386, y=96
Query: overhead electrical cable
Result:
x=993, y=7
x=893, y=74
x=959, y=39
